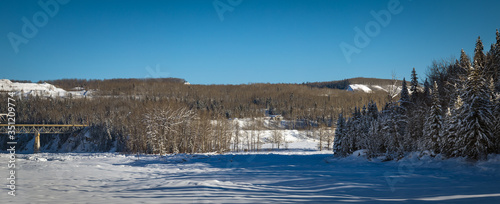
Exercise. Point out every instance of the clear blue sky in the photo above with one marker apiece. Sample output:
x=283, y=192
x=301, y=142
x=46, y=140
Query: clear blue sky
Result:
x=272, y=41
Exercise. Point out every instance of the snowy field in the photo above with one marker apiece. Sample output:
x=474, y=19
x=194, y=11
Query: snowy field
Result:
x=295, y=176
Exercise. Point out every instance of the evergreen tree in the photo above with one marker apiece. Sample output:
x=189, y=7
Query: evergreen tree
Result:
x=498, y=38
x=373, y=110
x=492, y=91
x=456, y=76
x=495, y=57
x=492, y=62
x=476, y=134
x=404, y=101
x=479, y=57
x=416, y=126
x=375, y=141
x=350, y=136
x=401, y=121
x=496, y=115
x=452, y=126
x=392, y=131
x=363, y=130
x=387, y=128
x=433, y=124
x=427, y=92
x=339, y=147
x=464, y=65
x=357, y=113
x=355, y=131
x=414, y=86
x=368, y=129
x=402, y=137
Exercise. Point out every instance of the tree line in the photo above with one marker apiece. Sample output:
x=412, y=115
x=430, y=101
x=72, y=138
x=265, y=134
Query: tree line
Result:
x=158, y=116
x=456, y=113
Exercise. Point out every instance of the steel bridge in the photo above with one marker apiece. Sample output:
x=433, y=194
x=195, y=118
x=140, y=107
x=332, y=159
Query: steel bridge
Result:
x=38, y=129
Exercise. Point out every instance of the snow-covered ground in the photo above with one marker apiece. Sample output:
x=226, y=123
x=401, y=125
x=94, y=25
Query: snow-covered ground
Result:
x=360, y=87
x=295, y=176
x=301, y=174
x=43, y=89
x=371, y=88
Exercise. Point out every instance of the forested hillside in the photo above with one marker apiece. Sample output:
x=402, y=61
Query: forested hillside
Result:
x=456, y=115
x=166, y=115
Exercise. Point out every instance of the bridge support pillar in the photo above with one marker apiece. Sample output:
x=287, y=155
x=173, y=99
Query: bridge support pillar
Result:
x=36, y=149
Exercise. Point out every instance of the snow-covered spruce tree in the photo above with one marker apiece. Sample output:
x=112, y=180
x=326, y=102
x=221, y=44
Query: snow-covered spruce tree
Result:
x=427, y=93
x=455, y=76
x=415, y=92
x=493, y=93
x=350, y=133
x=416, y=113
x=451, y=127
x=404, y=101
x=349, y=137
x=416, y=118
x=339, y=147
x=479, y=56
x=458, y=77
x=476, y=133
x=497, y=123
x=401, y=120
x=495, y=100
x=433, y=124
x=389, y=131
x=373, y=110
x=364, y=128
x=495, y=62
x=464, y=64
x=490, y=66
x=373, y=141
x=355, y=135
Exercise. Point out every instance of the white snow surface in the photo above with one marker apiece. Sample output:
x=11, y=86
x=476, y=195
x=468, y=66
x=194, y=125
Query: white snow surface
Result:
x=42, y=89
x=291, y=139
x=360, y=87
x=298, y=176
x=371, y=88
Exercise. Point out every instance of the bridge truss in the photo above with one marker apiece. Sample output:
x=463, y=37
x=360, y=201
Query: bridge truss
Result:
x=38, y=129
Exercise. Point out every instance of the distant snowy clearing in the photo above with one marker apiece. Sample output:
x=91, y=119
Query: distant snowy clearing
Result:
x=294, y=176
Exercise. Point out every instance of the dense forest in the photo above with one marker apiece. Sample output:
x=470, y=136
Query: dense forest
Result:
x=167, y=116
x=343, y=84
x=455, y=114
